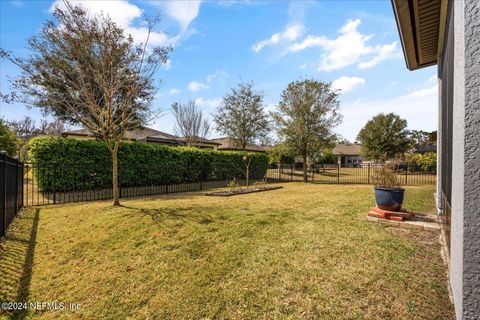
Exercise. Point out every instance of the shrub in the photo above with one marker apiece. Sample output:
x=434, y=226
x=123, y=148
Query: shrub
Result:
x=80, y=165
x=385, y=176
x=426, y=161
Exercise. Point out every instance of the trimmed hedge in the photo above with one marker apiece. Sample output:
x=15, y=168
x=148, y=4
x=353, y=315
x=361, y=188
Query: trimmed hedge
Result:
x=71, y=164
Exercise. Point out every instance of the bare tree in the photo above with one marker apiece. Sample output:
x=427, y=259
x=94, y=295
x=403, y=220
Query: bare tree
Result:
x=85, y=70
x=190, y=122
x=27, y=127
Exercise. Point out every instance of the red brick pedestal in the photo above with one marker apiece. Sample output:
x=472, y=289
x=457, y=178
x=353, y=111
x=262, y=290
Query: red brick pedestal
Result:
x=390, y=215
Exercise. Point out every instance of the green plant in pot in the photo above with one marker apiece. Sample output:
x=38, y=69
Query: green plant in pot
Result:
x=388, y=188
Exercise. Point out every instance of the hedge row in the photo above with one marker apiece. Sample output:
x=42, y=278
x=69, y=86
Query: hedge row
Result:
x=70, y=164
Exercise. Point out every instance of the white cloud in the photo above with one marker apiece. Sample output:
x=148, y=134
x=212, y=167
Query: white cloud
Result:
x=347, y=84
x=304, y=65
x=217, y=75
x=384, y=52
x=184, y=12
x=174, y=91
x=167, y=65
x=208, y=103
x=433, y=78
x=424, y=92
x=348, y=48
x=124, y=14
x=196, y=86
x=418, y=107
x=291, y=33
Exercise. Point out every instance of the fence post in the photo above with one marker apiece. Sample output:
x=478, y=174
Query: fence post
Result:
x=368, y=174
x=3, y=212
x=23, y=184
x=201, y=179
x=406, y=173
x=291, y=172
x=313, y=174
x=119, y=185
x=338, y=173
x=54, y=188
x=16, y=186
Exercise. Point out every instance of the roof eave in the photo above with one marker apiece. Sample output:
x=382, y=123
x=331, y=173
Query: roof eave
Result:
x=411, y=19
x=401, y=11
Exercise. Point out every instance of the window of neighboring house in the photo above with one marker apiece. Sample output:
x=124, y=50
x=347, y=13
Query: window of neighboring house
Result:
x=349, y=161
x=354, y=160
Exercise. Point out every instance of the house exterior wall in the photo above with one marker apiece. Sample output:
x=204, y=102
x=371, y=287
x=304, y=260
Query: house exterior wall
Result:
x=464, y=181
x=349, y=161
x=78, y=137
x=456, y=180
x=471, y=210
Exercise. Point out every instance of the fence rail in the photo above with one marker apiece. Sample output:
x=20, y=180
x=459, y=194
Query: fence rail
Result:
x=407, y=174
x=50, y=183
x=11, y=190
x=63, y=183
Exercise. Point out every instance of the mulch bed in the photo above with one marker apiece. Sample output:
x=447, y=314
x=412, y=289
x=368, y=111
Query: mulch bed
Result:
x=238, y=191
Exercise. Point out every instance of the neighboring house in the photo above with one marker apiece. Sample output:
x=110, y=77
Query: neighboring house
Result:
x=228, y=144
x=447, y=33
x=147, y=135
x=348, y=154
x=431, y=145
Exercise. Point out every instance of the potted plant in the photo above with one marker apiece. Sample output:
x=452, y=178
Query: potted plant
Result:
x=388, y=188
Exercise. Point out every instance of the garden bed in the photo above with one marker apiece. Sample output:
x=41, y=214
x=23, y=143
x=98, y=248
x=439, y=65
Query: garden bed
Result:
x=234, y=192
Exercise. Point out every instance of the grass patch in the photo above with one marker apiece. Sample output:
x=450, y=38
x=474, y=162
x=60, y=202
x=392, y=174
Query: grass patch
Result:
x=304, y=251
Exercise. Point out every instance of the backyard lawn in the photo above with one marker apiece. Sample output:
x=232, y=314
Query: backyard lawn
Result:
x=304, y=251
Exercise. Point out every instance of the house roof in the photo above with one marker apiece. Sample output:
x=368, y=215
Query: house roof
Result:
x=146, y=134
x=227, y=143
x=207, y=141
x=421, y=24
x=347, y=149
x=133, y=135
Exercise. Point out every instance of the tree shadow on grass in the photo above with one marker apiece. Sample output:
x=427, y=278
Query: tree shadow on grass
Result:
x=16, y=261
x=160, y=215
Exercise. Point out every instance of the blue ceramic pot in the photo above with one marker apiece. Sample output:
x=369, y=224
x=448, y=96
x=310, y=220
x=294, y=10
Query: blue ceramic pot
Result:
x=389, y=199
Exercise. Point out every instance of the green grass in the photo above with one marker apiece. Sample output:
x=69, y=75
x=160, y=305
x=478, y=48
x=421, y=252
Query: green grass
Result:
x=305, y=251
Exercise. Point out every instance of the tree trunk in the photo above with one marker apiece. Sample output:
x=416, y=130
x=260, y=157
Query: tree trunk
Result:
x=116, y=190
x=305, y=178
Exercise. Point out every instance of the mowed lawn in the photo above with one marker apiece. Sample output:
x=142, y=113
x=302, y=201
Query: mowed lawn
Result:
x=302, y=252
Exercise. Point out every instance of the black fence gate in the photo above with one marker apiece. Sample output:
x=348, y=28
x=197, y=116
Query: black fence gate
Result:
x=11, y=190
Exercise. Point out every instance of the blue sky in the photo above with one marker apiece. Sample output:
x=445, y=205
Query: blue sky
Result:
x=353, y=44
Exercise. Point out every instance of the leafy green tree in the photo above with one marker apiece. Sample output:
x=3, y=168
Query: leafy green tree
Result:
x=241, y=115
x=281, y=153
x=305, y=117
x=85, y=70
x=384, y=137
x=8, y=139
x=419, y=139
x=325, y=156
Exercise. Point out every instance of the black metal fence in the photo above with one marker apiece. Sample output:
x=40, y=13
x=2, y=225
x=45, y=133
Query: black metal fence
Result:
x=54, y=183
x=407, y=174
x=63, y=183
x=11, y=190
